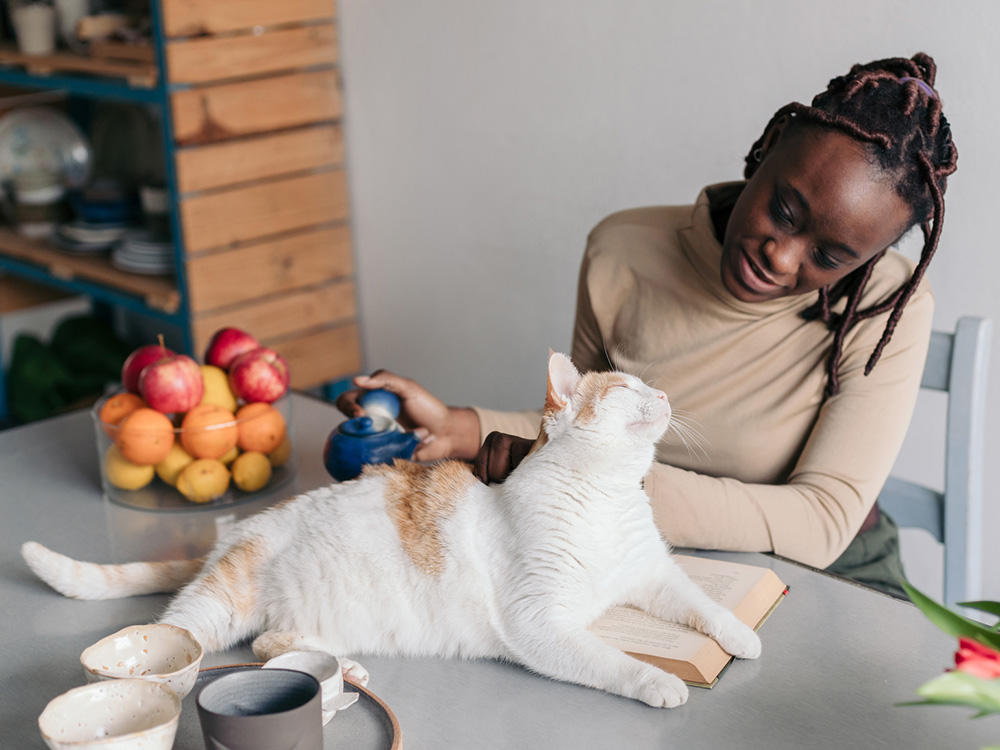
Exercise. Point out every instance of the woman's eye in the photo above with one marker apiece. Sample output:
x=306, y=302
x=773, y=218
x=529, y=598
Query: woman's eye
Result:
x=825, y=260
x=780, y=212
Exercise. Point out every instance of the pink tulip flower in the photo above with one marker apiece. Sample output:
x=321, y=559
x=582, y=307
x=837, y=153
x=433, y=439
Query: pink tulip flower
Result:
x=976, y=659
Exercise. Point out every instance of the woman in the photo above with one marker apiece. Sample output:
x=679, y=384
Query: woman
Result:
x=763, y=311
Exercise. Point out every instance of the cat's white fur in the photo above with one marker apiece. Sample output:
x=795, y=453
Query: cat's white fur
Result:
x=514, y=571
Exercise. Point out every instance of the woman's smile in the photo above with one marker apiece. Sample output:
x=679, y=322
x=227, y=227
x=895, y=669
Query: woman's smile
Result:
x=753, y=277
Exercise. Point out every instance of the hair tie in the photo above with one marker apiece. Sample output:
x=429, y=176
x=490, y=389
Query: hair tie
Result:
x=922, y=84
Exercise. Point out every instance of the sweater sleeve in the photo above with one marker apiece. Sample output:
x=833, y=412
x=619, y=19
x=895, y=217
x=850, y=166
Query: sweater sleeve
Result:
x=847, y=457
x=524, y=424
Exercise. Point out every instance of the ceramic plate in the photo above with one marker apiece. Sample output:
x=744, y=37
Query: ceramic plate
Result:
x=82, y=231
x=78, y=248
x=137, y=264
x=43, y=139
x=367, y=725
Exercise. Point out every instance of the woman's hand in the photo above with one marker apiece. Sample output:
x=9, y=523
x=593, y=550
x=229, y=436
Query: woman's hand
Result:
x=444, y=431
x=499, y=456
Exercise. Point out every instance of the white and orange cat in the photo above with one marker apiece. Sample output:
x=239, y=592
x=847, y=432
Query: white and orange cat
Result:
x=419, y=560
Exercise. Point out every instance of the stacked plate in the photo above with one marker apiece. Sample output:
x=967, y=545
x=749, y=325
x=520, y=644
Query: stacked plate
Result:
x=143, y=251
x=88, y=237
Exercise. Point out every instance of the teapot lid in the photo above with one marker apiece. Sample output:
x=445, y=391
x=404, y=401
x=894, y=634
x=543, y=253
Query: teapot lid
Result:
x=366, y=426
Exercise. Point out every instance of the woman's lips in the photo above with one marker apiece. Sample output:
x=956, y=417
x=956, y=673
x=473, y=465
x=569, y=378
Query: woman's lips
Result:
x=753, y=278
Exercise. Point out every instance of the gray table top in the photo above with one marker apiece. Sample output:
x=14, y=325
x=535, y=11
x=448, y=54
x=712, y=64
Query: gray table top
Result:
x=836, y=659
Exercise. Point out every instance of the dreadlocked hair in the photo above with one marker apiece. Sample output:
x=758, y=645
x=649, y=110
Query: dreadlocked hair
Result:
x=890, y=106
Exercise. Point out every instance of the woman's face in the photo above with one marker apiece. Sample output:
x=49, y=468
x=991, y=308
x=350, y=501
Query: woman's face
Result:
x=814, y=211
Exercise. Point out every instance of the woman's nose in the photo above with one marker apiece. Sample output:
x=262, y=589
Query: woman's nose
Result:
x=784, y=257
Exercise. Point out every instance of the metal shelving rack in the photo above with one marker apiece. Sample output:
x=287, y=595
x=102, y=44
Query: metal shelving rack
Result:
x=248, y=94
x=96, y=278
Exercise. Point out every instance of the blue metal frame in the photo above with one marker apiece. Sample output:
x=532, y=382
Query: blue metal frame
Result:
x=80, y=85
x=98, y=88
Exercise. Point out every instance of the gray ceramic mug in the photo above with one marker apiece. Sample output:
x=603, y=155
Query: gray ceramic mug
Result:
x=262, y=709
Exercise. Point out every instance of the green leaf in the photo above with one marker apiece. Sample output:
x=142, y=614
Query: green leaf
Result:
x=962, y=689
x=992, y=608
x=950, y=622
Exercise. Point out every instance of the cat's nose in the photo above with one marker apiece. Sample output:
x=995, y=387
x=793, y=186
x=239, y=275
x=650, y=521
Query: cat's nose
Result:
x=660, y=394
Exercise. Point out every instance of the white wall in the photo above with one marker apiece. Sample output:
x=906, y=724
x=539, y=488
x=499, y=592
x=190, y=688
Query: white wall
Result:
x=486, y=139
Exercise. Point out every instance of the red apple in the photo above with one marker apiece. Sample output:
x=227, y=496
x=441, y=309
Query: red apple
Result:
x=226, y=345
x=137, y=360
x=259, y=375
x=172, y=384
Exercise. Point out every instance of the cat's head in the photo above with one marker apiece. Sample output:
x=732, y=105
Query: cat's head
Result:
x=608, y=409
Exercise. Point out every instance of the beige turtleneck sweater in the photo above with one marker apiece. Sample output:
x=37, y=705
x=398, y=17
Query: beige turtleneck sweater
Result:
x=779, y=469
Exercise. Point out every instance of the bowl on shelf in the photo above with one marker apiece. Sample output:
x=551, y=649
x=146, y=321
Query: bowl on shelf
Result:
x=106, y=202
x=159, y=462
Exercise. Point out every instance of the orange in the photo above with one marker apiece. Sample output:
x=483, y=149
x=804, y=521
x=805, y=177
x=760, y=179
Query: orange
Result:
x=116, y=408
x=208, y=431
x=261, y=427
x=145, y=436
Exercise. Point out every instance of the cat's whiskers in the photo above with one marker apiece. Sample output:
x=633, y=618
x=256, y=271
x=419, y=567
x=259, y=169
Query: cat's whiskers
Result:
x=687, y=430
x=642, y=375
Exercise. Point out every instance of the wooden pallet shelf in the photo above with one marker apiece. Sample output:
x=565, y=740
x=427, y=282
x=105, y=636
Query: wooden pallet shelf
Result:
x=159, y=292
x=136, y=73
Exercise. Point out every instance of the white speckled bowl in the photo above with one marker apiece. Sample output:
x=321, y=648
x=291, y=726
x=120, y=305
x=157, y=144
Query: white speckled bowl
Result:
x=115, y=715
x=159, y=653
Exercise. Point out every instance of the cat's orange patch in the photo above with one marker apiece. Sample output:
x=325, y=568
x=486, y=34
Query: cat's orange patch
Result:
x=232, y=580
x=418, y=498
x=592, y=389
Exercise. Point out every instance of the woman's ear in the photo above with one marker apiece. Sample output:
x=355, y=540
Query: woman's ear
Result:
x=772, y=136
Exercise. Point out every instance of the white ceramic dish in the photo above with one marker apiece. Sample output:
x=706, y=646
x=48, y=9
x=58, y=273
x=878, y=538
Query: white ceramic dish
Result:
x=127, y=262
x=326, y=669
x=155, y=200
x=117, y=715
x=159, y=653
x=84, y=231
x=78, y=248
x=43, y=139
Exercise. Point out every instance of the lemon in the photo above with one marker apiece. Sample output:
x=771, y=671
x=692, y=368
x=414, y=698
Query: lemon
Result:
x=203, y=480
x=169, y=468
x=251, y=471
x=124, y=474
x=279, y=455
x=217, y=390
x=229, y=456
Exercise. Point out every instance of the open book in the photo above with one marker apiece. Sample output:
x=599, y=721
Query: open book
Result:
x=750, y=591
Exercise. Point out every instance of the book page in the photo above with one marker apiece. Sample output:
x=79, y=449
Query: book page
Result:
x=630, y=629
x=725, y=582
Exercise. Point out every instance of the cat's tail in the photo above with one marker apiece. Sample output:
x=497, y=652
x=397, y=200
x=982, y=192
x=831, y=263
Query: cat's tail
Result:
x=83, y=580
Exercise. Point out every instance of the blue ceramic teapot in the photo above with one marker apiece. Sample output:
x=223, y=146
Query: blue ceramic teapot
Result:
x=376, y=438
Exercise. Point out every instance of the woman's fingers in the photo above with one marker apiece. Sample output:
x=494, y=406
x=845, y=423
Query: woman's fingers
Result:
x=348, y=404
x=499, y=455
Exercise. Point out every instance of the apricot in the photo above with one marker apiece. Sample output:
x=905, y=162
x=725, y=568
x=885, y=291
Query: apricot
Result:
x=208, y=431
x=116, y=408
x=145, y=436
x=260, y=426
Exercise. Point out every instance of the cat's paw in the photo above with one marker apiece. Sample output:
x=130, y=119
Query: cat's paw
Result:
x=354, y=671
x=660, y=689
x=738, y=639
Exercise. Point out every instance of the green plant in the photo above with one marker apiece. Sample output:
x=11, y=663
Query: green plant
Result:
x=975, y=680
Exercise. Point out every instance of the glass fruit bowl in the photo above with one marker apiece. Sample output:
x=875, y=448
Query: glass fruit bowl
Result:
x=206, y=458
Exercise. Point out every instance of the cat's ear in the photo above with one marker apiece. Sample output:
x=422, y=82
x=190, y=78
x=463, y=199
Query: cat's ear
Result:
x=563, y=377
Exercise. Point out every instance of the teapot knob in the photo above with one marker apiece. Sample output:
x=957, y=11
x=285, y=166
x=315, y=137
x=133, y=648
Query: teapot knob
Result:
x=380, y=403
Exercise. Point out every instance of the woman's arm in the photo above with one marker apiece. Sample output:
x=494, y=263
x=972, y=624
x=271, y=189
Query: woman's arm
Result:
x=850, y=451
